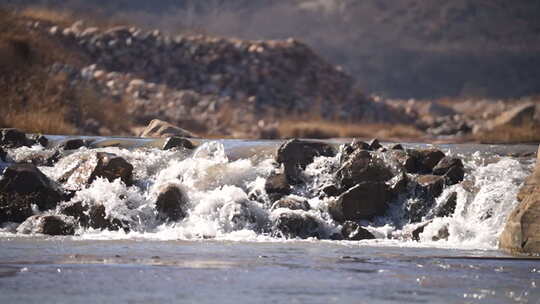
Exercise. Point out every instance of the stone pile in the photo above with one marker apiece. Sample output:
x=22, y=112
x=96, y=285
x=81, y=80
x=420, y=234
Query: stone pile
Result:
x=194, y=80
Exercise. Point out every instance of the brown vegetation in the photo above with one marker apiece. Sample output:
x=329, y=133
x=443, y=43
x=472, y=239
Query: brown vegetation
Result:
x=529, y=133
x=333, y=129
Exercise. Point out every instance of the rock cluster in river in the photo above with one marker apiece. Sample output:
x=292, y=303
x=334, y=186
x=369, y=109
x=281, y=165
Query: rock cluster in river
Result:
x=364, y=180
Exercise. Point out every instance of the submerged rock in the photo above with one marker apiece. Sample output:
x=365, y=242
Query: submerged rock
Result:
x=297, y=225
x=26, y=179
x=521, y=233
x=353, y=232
x=160, y=128
x=296, y=154
x=171, y=203
x=47, y=224
x=292, y=203
x=363, y=201
x=3, y=154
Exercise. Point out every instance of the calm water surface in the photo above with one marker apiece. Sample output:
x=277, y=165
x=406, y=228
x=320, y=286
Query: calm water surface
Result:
x=64, y=270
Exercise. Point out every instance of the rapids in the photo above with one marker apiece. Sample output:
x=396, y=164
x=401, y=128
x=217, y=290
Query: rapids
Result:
x=224, y=181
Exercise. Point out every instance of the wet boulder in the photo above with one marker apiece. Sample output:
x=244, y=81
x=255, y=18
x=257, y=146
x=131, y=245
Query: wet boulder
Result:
x=353, y=232
x=47, y=224
x=39, y=139
x=397, y=147
x=448, y=206
x=374, y=144
x=13, y=138
x=363, y=201
x=521, y=233
x=331, y=190
x=452, y=168
x=176, y=142
x=112, y=167
x=400, y=184
x=431, y=186
x=277, y=186
x=422, y=161
x=296, y=225
x=100, y=164
x=15, y=207
x=159, y=129
x=92, y=216
x=26, y=179
x=171, y=203
x=296, y=154
x=292, y=203
x=361, y=167
x=74, y=144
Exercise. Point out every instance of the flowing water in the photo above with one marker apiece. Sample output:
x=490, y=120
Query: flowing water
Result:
x=224, y=252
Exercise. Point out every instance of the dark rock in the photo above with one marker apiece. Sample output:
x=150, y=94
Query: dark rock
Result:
x=360, y=167
x=159, y=128
x=296, y=154
x=448, y=207
x=40, y=139
x=292, y=203
x=359, y=145
x=431, y=185
x=451, y=168
x=13, y=138
x=419, y=230
x=374, y=144
x=277, y=186
x=422, y=161
x=15, y=207
x=363, y=201
x=331, y=190
x=296, y=225
x=73, y=144
x=442, y=234
x=26, y=179
x=171, y=203
x=401, y=185
x=353, y=232
x=3, y=154
x=178, y=142
x=47, y=224
x=112, y=167
x=397, y=147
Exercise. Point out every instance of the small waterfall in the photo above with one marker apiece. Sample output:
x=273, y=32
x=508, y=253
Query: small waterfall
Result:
x=227, y=199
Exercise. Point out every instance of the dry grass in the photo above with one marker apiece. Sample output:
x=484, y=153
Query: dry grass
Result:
x=61, y=17
x=331, y=129
x=511, y=135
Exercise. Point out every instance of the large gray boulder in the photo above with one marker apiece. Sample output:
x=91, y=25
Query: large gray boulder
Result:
x=159, y=128
x=521, y=233
x=47, y=224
